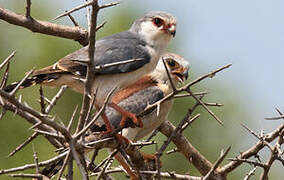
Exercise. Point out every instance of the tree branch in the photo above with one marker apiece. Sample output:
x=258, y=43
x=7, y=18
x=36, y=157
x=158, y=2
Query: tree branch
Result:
x=43, y=27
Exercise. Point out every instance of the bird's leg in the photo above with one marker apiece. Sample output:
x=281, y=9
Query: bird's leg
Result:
x=121, y=139
x=107, y=123
x=125, y=166
x=126, y=114
x=109, y=128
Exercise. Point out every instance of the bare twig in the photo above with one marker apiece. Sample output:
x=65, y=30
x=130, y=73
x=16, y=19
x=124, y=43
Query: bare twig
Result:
x=75, y=33
x=109, y=5
x=251, y=151
x=73, y=20
x=106, y=159
x=261, y=138
x=30, y=166
x=88, y=3
x=70, y=169
x=167, y=142
x=189, y=122
x=55, y=99
x=101, y=25
x=172, y=175
x=8, y=59
x=186, y=148
x=142, y=144
x=186, y=88
x=65, y=162
x=35, y=176
x=169, y=76
x=5, y=76
x=173, y=151
x=99, y=141
x=210, y=74
x=91, y=164
x=33, y=120
x=167, y=175
x=76, y=136
x=3, y=112
x=250, y=174
x=72, y=119
x=216, y=164
x=275, y=118
x=81, y=165
x=56, y=135
x=188, y=95
x=34, y=113
x=107, y=165
x=90, y=68
x=12, y=93
x=88, y=16
x=74, y=9
x=28, y=9
x=255, y=163
x=205, y=107
x=36, y=159
x=214, y=104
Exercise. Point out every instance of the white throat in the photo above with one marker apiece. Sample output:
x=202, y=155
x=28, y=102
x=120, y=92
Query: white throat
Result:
x=154, y=36
x=160, y=75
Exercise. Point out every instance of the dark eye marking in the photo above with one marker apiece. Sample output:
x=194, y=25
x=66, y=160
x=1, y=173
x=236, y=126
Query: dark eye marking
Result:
x=158, y=22
x=172, y=63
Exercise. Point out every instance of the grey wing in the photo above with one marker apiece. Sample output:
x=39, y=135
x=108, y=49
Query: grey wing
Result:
x=116, y=48
x=136, y=104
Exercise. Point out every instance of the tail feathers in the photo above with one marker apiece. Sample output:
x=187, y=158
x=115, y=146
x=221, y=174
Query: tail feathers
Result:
x=52, y=169
x=36, y=79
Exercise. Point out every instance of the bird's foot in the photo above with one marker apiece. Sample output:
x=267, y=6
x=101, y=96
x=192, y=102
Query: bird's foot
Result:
x=126, y=115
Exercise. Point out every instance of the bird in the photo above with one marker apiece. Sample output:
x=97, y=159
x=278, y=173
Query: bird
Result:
x=144, y=42
x=137, y=97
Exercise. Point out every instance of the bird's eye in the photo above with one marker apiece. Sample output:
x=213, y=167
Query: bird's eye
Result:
x=158, y=22
x=172, y=63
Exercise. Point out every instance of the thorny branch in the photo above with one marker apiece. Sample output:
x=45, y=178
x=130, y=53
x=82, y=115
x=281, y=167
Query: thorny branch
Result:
x=43, y=27
x=8, y=59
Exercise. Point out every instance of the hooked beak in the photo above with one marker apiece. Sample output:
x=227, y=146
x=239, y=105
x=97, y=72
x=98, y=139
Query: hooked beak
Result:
x=185, y=74
x=181, y=75
x=172, y=30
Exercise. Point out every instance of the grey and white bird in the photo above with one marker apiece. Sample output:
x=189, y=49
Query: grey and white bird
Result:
x=136, y=97
x=145, y=41
x=148, y=90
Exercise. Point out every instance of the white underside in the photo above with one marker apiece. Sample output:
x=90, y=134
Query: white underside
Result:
x=150, y=123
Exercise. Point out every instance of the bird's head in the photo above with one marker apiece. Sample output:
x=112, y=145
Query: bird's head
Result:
x=156, y=27
x=178, y=68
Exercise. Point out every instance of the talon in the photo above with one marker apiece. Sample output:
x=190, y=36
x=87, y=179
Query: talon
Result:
x=125, y=115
